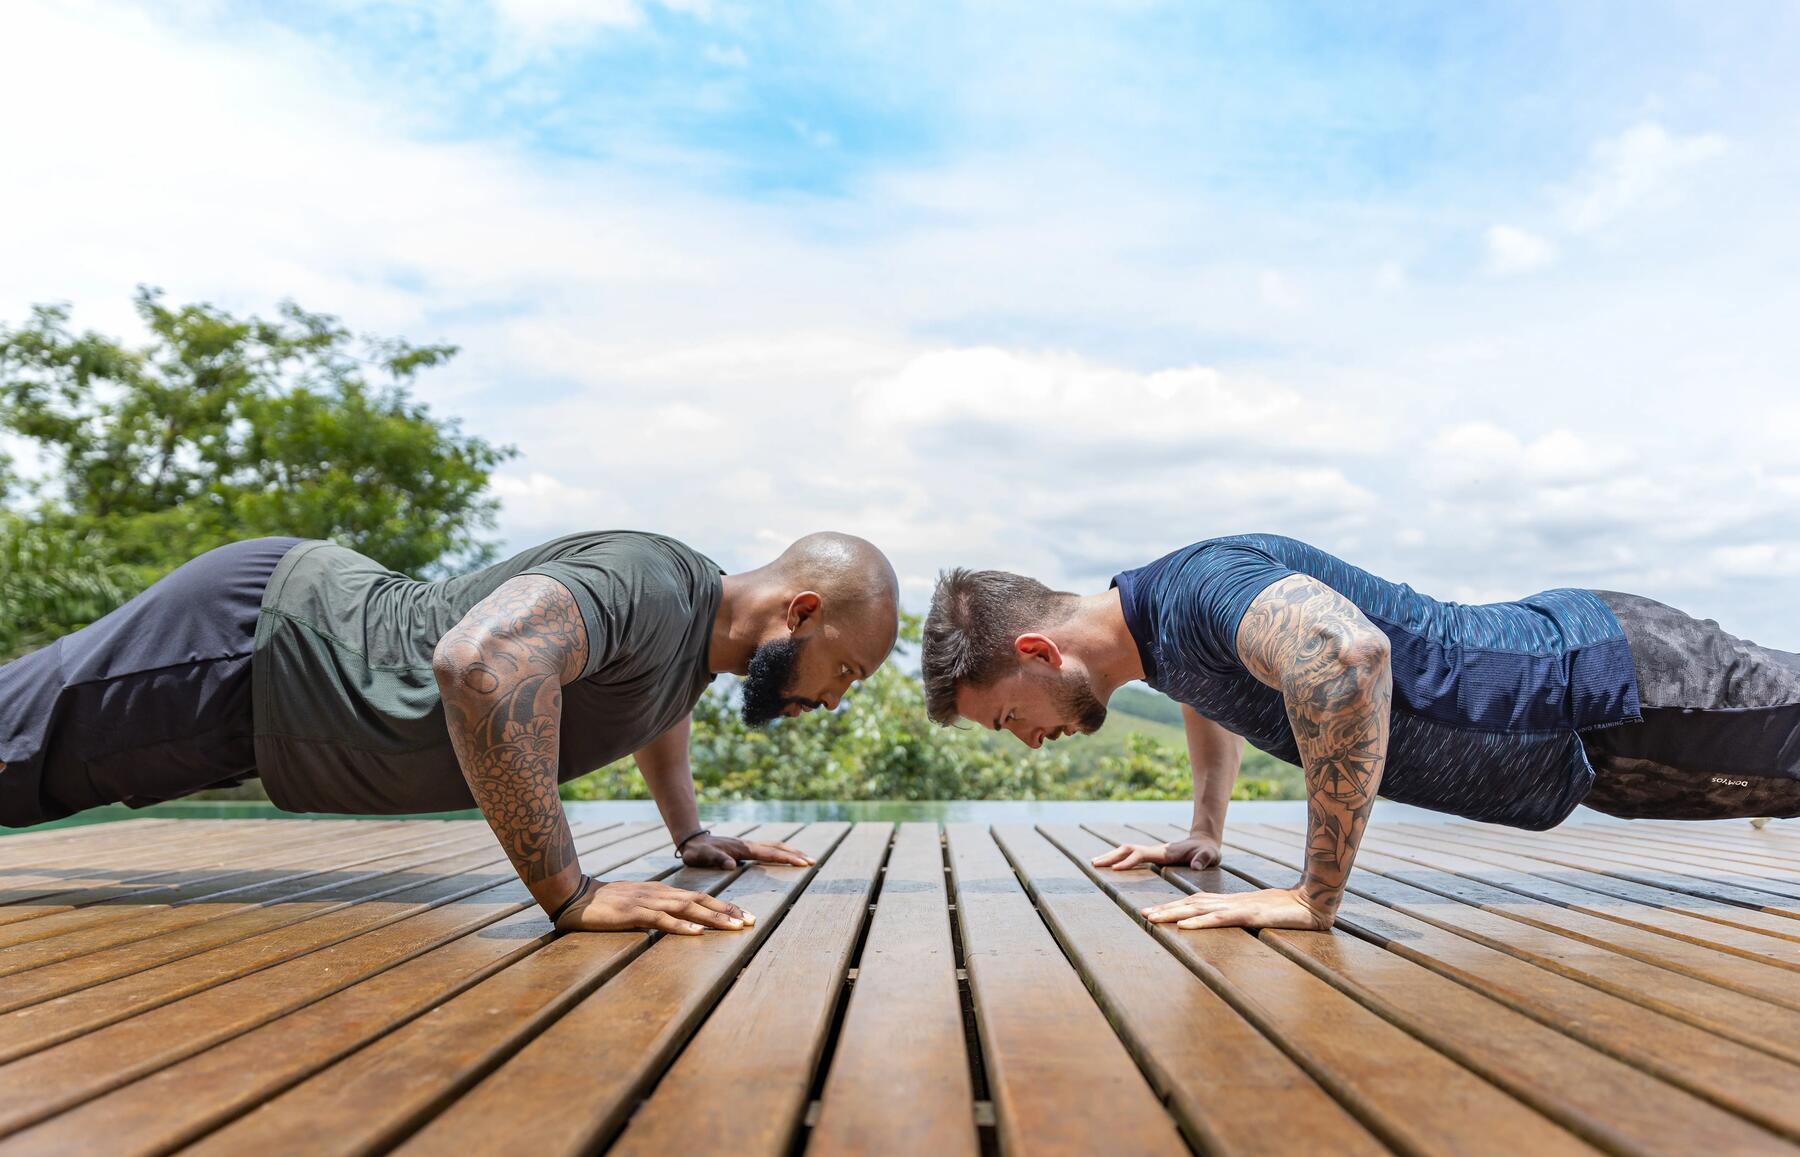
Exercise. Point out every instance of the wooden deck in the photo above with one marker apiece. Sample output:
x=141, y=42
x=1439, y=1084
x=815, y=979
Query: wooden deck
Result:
x=277, y=987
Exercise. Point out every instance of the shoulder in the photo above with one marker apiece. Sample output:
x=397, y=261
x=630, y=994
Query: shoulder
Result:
x=1215, y=560
x=637, y=578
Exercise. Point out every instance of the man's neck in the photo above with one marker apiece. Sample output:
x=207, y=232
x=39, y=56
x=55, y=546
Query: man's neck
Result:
x=1098, y=636
x=745, y=603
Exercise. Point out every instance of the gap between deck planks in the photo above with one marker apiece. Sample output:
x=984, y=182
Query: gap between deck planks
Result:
x=1611, y=1103
x=369, y=989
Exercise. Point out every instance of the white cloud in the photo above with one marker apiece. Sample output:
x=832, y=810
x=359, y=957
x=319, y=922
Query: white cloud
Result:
x=727, y=55
x=1646, y=166
x=818, y=138
x=1279, y=291
x=1513, y=250
x=1007, y=356
x=538, y=19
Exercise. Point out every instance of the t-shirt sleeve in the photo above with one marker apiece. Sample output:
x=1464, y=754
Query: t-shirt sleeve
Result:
x=624, y=601
x=1204, y=599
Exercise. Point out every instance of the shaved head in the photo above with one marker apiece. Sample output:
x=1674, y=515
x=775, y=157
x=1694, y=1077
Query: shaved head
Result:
x=822, y=616
x=841, y=568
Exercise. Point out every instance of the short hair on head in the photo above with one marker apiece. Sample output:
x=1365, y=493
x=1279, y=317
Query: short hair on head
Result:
x=975, y=617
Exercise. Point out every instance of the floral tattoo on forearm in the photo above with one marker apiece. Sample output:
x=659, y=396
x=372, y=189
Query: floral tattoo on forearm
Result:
x=500, y=671
x=1331, y=665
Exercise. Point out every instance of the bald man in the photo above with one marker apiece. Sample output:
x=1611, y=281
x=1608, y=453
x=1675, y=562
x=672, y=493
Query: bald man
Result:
x=348, y=688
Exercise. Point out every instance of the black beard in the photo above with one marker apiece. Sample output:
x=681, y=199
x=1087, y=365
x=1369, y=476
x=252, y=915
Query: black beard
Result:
x=766, y=685
x=1081, y=706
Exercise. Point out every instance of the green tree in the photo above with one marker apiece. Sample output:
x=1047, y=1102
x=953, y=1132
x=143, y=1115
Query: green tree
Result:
x=221, y=428
x=52, y=582
x=880, y=745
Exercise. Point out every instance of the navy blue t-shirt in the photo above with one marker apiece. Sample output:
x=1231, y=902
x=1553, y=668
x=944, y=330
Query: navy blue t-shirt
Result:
x=1488, y=699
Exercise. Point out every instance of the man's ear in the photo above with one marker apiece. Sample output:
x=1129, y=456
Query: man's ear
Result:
x=1039, y=648
x=801, y=607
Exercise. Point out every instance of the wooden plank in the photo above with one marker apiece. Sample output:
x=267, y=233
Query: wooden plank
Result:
x=174, y=843
x=1412, y=1096
x=1745, y=1019
x=1663, y=873
x=252, y=882
x=57, y=897
x=373, y=1097
x=306, y=899
x=14, y=840
x=1576, y=888
x=454, y=944
x=742, y=1083
x=1463, y=880
x=1564, y=890
x=1676, y=869
x=1675, y=842
x=904, y=1026
x=1733, y=1076
x=1782, y=835
x=1614, y=1105
x=1768, y=845
x=29, y=846
x=1060, y=1079
x=103, y=875
x=1692, y=862
x=571, y=1089
x=1231, y=1089
x=373, y=905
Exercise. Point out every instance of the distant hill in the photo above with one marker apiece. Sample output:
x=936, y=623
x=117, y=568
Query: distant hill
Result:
x=1141, y=701
x=1137, y=709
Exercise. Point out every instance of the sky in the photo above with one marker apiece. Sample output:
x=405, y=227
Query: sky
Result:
x=1486, y=298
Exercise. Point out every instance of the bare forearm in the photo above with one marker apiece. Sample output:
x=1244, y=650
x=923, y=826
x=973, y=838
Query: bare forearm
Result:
x=667, y=773
x=1214, y=755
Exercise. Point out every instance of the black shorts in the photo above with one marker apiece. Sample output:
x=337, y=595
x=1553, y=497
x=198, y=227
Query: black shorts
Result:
x=150, y=703
x=1721, y=730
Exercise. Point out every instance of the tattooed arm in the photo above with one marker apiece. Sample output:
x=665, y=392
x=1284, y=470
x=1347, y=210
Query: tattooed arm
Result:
x=1330, y=664
x=500, y=672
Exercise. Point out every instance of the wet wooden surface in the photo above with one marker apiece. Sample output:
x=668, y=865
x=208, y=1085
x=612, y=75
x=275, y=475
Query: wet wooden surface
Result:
x=272, y=986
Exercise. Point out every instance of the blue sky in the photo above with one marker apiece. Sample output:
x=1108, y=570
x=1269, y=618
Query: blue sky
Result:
x=1489, y=298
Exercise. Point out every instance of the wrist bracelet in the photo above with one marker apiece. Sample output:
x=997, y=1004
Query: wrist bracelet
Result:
x=683, y=842
x=581, y=890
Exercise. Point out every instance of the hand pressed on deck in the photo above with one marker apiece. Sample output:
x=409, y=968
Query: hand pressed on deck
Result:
x=631, y=904
x=1194, y=852
x=1267, y=908
x=710, y=851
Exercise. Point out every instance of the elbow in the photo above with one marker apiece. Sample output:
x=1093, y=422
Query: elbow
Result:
x=451, y=660
x=1367, y=651
x=1348, y=665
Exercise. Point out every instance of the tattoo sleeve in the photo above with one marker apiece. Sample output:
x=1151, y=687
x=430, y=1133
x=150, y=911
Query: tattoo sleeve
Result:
x=1331, y=665
x=501, y=672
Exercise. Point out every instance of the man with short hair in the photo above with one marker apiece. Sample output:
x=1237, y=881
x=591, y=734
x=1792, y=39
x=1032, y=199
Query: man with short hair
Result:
x=1509, y=713
x=350, y=688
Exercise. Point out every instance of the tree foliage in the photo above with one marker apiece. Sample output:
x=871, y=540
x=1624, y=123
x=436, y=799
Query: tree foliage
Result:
x=880, y=745
x=49, y=580
x=221, y=428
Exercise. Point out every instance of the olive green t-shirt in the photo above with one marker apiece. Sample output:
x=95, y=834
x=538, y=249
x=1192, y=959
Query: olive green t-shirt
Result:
x=348, y=717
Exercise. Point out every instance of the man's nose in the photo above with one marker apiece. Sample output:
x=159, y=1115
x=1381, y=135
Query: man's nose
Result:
x=831, y=699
